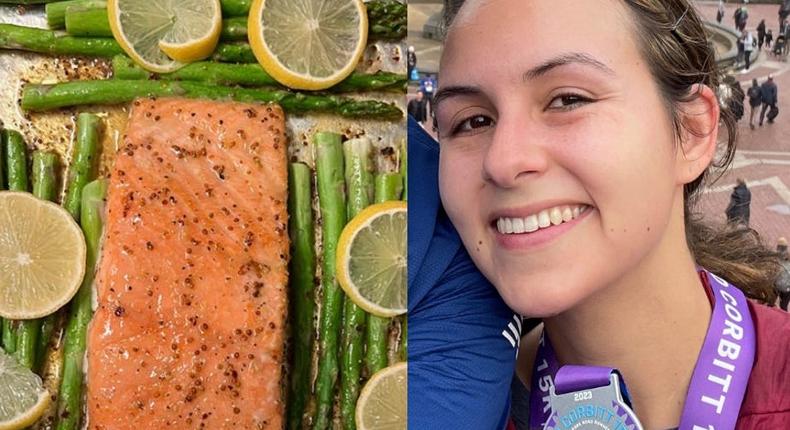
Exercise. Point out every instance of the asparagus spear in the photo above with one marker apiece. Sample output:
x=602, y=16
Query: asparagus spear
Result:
x=388, y=187
x=234, y=53
x=234, y=28
x=113, y=91
x=386, y=18
x=252, y=75
x=56, y=12
x=81, y=20
x=331, y=197
x=69, y=408
x=48, y=42
x=43, y=175
x=16, y=178
x=235, y=7
x=359, y=183
x=300, y=208
x=45, y=188
x=16, y=160
x=83, y=168
x=87, y=22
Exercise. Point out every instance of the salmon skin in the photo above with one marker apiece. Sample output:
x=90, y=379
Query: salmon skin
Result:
x=189, y=330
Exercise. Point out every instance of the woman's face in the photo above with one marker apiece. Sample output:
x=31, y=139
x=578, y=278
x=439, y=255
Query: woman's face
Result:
x=557, y=153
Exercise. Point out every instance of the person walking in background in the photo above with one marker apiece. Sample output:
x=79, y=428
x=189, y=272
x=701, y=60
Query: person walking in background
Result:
x=769, y=38
x=744, y=18
x=784, y=11
x=720, y=12
x=769, y=95
x=760, y=34
x=740, y=199
x=755, y=100
x=783, y=280
x=741, y=51
x=416, y=108
x=748, y=47
x=411, y=62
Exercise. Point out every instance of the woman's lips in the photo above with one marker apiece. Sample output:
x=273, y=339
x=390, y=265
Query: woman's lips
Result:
x=522, y=233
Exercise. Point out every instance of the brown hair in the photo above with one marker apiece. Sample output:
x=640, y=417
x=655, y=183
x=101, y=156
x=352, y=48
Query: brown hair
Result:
x=672, y=40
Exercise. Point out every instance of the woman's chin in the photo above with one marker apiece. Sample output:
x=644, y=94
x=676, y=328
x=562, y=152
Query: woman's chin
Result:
x=538, y=301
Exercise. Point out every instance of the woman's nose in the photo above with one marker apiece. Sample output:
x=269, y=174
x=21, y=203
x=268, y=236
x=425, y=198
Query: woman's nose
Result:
x=515, y=153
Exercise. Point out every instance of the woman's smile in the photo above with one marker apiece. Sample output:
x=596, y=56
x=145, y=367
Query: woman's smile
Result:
x=525, y=229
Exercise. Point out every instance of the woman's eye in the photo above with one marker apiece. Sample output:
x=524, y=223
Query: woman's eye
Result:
x=568, y=101
x=473, y=123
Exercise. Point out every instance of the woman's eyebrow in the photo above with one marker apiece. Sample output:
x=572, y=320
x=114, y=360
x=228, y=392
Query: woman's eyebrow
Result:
x=564, y=60
x=445, y=93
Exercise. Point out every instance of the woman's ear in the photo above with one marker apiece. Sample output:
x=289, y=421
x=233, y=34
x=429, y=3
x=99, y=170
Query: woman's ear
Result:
x=699, y=133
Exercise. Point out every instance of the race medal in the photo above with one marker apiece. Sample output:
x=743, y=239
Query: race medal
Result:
x=587, y=397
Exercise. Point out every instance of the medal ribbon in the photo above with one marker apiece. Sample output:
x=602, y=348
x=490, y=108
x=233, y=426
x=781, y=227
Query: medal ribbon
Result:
x=720, y=376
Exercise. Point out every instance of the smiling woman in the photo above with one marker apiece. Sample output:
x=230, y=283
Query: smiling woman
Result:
x=574, y=137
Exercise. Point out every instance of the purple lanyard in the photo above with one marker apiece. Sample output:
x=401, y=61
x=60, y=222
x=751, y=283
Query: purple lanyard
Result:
x=720, y=376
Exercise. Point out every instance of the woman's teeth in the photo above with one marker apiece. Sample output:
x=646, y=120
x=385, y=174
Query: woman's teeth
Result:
x=545, y=218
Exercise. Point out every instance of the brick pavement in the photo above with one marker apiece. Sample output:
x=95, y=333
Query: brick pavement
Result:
x=763, y=157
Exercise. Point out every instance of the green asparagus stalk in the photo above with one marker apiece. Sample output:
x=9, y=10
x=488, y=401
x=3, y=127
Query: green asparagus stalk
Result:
x=16, y=178
x=234, y=29
x=56, y=12
x=251, y=75
x=48, y=325
x=332, y=202
x=303, y=265
x=45, y=188
x=43, y=176
x=234, y=53
x=113, y=91
x=87, y=22
x=70, y=397
x=386, y=18
x=388, y=187
x=83, y=168
x=16, y=160
x=48, y=42
x=236, y=7
x=359, y=183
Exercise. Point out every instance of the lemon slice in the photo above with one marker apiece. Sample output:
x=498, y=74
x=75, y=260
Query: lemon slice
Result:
x=371, y=259
x=382, y=402
x=42, y=256
x=162, y=35
x=308, y=44
x=23, y=399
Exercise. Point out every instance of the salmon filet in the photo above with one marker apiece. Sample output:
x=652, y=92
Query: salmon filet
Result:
x=192, y=301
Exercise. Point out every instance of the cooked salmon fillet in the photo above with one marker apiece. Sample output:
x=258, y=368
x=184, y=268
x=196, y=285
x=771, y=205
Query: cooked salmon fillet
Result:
x=189, y=329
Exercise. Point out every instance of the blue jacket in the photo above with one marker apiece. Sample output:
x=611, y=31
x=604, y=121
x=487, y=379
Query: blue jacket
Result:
x=462, y=337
